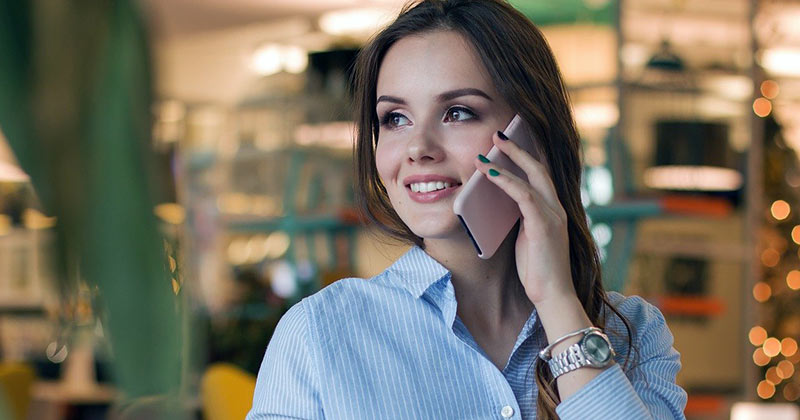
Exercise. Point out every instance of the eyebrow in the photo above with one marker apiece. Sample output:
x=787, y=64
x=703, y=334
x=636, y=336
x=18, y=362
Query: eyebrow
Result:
x=442, y=97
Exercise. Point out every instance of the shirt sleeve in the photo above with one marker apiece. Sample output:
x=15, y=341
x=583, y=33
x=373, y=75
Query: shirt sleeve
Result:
x=648, y=390
x=287, y=386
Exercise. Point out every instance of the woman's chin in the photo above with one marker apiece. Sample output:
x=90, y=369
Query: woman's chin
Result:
x=438, y=230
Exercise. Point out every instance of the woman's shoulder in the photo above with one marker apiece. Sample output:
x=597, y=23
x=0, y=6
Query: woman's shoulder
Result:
x=352, y=296
x=647, y=323
x=635, y=309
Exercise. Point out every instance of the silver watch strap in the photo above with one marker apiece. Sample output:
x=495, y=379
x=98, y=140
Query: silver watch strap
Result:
x=568, y=360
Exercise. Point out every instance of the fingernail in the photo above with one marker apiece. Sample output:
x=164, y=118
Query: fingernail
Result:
x=501, y=135
x=492, y=172
x=483, y=159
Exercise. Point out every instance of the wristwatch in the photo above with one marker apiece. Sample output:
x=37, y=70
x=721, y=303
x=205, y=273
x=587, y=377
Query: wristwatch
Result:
x=594, y=350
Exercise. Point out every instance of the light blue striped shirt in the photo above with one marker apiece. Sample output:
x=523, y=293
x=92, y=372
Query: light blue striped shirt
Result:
x=392, y=347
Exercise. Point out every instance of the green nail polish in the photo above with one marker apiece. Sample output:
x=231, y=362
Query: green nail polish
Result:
x=492, y=172
x=483, y=159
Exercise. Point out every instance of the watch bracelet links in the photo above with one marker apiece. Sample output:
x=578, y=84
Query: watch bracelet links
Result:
x=568, y=360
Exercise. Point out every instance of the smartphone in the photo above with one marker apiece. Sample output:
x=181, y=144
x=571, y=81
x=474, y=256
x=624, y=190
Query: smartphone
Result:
x=485, y=210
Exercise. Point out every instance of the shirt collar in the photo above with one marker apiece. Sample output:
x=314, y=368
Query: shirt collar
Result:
x=416, y=271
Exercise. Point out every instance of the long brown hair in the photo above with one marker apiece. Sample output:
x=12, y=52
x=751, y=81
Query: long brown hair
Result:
x=523, y=69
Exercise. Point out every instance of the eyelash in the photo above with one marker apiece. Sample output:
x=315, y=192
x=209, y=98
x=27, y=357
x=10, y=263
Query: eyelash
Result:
x=385, y=120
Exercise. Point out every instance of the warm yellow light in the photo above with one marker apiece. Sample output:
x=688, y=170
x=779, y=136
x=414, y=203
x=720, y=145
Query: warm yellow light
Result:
x=781, y=61
x=762, y=292
x=785, y=369
x=770, y=257
x=692, y=178
x=772, y=376
x=238, y=252
x=770, y=89
x=762, y=107
x=596, y=114
x=355, y=22
x=5, y=224
x=796, y=234
x=793, y=279
x=171, y=213
x=34, y=219
x=765, y=390
x=772, y=347
x=757, y=335
x=759, y=358
x=277, y=243
x=788, y=347
x=780, y=209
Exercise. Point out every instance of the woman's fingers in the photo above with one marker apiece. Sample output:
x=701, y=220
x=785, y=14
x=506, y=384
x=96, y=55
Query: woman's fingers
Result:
x=538, y=175
x=531, y=202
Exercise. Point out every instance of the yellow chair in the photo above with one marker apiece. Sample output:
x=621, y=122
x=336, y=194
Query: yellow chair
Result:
x=16, y=381
x=226, y=392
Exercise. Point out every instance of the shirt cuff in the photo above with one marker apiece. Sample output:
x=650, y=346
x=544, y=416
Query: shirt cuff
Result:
x=609, y=395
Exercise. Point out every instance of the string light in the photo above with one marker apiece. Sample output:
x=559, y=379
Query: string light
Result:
x=770, y=89
x=788, y=347
x=765, y=390
x=785, y=369
x=791, y=391
x=757, y=335
x=762, y=292
x=762, y=107
x=772, y=347
x=780, y=209
x=770, y=257
x=772, y=376
x=793, y=279
x=759, y=358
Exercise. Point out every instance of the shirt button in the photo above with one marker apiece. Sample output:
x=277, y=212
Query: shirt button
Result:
x=507, y=412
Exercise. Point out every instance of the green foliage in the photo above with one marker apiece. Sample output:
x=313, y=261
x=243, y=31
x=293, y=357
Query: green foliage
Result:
x=75, y=106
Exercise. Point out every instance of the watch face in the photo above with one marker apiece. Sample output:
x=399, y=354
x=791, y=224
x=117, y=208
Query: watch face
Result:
x=597, y=348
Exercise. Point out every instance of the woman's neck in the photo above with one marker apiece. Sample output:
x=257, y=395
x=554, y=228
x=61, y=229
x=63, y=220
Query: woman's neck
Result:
x=487, y=291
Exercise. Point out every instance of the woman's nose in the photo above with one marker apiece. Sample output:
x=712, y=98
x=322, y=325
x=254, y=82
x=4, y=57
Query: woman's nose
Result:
x=425, y=147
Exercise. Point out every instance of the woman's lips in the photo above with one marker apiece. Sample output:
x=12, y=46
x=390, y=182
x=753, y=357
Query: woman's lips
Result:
x=431, y=196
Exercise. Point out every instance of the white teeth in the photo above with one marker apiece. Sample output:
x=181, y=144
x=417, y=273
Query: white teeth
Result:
x=423, y=187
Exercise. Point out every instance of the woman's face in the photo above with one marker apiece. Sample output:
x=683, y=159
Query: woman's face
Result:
x=438, y=109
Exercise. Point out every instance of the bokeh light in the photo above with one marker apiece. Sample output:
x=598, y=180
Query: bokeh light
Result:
x=780, y=209
x=772, y=347
x=791, y=391
x=759, y=358
x=772, y=376
x=762, y=107
x=762, y=292
x=770, y=89
x=796, y=234
x=788, y=347
x=770, y=257
x=785, y=369
x=765, y=390
x=793, y=279
x=757, y=335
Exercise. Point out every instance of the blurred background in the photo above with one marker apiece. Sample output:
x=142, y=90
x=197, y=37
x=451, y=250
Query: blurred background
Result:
x=175, y=174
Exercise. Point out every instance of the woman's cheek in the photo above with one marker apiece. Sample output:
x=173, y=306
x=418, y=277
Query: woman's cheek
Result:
x=385, y=163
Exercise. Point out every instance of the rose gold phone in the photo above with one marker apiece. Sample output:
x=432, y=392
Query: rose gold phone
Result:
x=486, y=211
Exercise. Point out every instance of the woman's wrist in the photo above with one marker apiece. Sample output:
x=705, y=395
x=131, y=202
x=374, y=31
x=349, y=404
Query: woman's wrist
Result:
x=561, y=315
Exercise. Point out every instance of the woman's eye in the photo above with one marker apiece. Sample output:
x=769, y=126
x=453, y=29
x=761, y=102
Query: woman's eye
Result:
x=458, y=114
x=394, y=120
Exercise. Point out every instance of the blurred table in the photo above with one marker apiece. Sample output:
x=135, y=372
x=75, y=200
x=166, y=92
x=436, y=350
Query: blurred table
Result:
x=52, y=400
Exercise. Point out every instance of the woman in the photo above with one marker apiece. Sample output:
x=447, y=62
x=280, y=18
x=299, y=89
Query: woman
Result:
x=442, y=333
